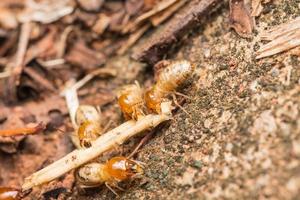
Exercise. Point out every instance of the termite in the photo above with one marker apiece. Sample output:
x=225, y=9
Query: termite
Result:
x=88, y=119
x=7, y=193
x=115, y=170
x=168, y=80
x=131, y=102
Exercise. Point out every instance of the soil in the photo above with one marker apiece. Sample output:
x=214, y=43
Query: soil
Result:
x=241, y=139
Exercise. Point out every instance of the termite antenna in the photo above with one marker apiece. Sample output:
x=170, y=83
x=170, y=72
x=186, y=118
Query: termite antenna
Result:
x=182, y=95
x=111, y=189
x=177, y=104
x=143, y=141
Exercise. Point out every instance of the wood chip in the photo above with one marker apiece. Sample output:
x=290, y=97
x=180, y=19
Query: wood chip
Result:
x=256, y=7
x=240, y=18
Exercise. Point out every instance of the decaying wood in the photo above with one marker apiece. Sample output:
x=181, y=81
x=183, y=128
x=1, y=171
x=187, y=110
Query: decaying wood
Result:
x=105, y=142
x=152, y=49
x=161, y=6
x=283, y=37
x=165, y=14
x=133, y=38
x=240, y=19
x=281, y=30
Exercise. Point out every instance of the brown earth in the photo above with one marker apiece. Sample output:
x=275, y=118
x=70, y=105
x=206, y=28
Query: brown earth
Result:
x=241, y=140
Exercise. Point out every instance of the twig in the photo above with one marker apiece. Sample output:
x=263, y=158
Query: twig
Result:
x=133, y=38
x=14, y=79
x=22, y=46
x=161, y=6
x=158, y=8
x=72, y=103
x=165, y=14
x=90, y=76
x=155, y=47
x=23, y=131
x=105, y=142
x=51, y=63
x=63, y=41
x=39, y=79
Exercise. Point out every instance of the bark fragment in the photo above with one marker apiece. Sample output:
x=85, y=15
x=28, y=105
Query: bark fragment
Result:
x=240, y=18
x=156, y=45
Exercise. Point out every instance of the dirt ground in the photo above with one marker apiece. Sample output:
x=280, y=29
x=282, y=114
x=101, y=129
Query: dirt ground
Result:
x=241, y=140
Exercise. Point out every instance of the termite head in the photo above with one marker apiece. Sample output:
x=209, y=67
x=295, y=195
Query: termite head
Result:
x=89, y=126
x=130, y=100
x=87, y=132
x=122, y=168
x=87, y=113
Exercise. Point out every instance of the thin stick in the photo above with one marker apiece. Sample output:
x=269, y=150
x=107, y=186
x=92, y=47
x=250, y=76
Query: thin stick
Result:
x=105, y=142
x=23, y=131
x=161, y=17
x=39, y=79
x=72, y=103
x=161, y=6
x=133, y=38
x=102, y=71
x=22, y=46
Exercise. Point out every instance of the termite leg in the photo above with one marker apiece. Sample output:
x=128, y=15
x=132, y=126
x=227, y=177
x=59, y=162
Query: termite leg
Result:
x=177, y=104
x=107, y=126
x=119, y=188
x=182, y=95
x=111, y=189
x=143, y=141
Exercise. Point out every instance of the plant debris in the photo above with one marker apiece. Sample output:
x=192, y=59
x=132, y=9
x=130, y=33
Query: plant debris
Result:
x=235, y=137
x=29, y=130
x=282, y=38
x=240, y=18
x=153, y=49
